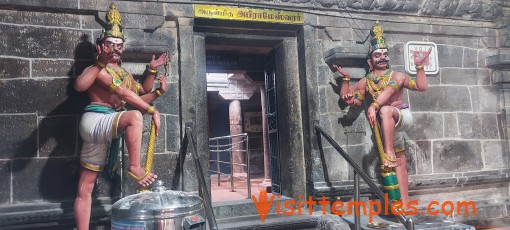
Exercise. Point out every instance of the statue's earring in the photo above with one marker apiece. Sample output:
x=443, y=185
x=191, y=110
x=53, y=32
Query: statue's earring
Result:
x=370, y=68
x=120, y=62
x=387, y=66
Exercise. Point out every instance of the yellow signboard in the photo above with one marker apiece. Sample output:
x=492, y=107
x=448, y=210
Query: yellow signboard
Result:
x=245, y=14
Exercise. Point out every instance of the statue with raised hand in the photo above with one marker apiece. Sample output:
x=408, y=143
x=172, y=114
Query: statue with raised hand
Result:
x=383, y=88
x=110, y=87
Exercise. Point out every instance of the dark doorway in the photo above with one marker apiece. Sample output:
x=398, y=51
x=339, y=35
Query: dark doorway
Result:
x=236, y=94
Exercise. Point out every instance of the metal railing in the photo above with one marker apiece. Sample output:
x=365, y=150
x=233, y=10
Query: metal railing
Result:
x=203, y=190
x=319, y=132
x=233, y=145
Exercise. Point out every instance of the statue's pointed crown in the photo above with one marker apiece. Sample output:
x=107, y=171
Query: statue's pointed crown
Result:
x=114, y=27
x=376, y=38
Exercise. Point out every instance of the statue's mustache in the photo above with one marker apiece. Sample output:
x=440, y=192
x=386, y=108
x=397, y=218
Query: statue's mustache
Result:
x=385, y=60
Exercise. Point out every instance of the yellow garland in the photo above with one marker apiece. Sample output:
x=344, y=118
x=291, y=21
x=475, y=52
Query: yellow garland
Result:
x=380, y=147
x=150, y=153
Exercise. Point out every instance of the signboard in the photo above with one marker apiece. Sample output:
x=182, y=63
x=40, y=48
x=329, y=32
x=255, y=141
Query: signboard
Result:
x=223, y=60
x=246, y=14
x=253, y=122
x=415, y=48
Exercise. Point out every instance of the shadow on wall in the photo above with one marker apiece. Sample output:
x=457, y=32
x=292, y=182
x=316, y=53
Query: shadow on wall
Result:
x=345, y=121
x=369, y=161
x=51, y=171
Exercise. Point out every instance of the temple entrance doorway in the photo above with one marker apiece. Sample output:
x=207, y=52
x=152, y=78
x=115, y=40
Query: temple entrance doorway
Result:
x=239, y=134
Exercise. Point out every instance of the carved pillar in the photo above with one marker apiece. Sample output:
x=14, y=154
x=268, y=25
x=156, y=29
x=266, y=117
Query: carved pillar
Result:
x=234, y=88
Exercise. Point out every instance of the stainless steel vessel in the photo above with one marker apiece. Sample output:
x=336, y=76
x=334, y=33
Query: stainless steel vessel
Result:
x=159, y=209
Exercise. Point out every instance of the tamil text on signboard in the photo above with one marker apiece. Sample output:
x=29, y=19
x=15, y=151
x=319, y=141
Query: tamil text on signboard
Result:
x=246, y=14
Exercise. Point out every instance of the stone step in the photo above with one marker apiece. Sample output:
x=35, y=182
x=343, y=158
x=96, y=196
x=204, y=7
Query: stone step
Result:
x=245, y=207
x=490, y=223
x=270, y=222
x=50, y=216
x=485, y=209
x=491, y=212
x=305, y=222
x=421, y=222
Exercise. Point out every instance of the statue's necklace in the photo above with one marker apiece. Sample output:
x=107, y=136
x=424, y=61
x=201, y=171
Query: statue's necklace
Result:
x=374, y=88
x=376, y=79
x=119, y=77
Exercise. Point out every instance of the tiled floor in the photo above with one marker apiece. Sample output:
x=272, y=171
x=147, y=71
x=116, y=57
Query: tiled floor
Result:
x=223, y=191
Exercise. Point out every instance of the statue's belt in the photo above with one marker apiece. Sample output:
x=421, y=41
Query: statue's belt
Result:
x=99, y=109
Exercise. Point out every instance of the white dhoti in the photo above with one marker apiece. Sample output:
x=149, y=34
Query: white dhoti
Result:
x=405, y=121
x=97, y=131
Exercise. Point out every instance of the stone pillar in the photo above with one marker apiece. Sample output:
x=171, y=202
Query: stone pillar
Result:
x=290, y=122
x=234, y=111
x=499, y=61
x=193, y=96
x=267, y=176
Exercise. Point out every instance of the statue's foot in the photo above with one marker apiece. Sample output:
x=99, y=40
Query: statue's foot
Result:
x=142, y=177
x=390, y=164
x=391, y=160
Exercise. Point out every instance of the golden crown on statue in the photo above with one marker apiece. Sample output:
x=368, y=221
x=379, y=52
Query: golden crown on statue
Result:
x=113, y=28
